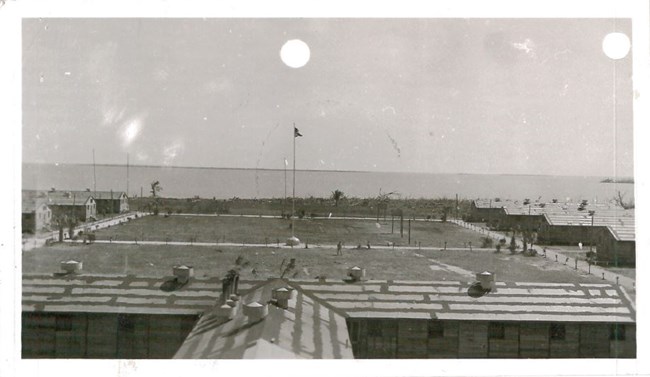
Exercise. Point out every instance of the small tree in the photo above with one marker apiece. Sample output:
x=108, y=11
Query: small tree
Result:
x=486, y=242
x=337, y=195
x=155, y=189
x=513, y=244
x=71, y=223
x=445, y=212
x=620, y=200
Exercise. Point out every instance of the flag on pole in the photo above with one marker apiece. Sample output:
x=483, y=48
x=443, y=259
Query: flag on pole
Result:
x=286, y=163
x=296, y=133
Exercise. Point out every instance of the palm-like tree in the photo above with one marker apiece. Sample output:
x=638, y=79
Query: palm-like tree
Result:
x=337, y=195
x=155, y=189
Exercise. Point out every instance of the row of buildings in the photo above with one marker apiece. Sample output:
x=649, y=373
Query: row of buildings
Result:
x=609, y=228
x=73, y=315
x=40, y=208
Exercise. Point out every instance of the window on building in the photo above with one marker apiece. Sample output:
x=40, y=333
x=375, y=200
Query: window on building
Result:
x=617, y=332
x=496, y=330
x=435, y=329
x=557, y=331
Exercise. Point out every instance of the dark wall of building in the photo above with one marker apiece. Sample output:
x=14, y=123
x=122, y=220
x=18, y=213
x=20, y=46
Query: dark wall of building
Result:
x=107, y=206
x=28, y=222
x=420, y=338
x=616, y=253
x=521, y=222
x=492, y=216
x=78, y=211
x=569, y=234
x=103, y=336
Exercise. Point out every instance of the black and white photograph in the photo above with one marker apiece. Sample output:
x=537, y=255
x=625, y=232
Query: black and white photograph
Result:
x=424, y=188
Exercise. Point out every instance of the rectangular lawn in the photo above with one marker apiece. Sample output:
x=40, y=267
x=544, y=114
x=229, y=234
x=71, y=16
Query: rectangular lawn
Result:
x=252, y=230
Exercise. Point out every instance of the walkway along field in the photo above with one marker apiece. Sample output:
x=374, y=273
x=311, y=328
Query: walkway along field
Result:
x=39, y=240
x=580, y=266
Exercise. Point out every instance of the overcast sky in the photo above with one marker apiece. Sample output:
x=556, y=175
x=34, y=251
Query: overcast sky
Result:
x=418, y=95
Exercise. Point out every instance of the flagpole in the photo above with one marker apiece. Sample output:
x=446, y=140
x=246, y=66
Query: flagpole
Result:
x=293, y=196
x=284, y=203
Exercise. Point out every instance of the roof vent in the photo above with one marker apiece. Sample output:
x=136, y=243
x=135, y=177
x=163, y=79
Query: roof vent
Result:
x=71, y=266
x=226, y=311
x=487, y=281
x=183, y=273
x=256, y=311
x=282, y=297
x=357, y=273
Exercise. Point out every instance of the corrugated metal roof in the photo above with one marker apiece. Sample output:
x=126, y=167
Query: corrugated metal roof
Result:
x=511, y=302
x=603, y=210
x=398, y=299
x=308, y=328
x=622, y=227
x=117, y=294
x=68, y=197
x=107, y=194
x=623, y=232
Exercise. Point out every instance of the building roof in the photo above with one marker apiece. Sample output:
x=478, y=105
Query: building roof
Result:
x=540, y=208
x=624, y=233
x=68, y=198
x=332, y=299
x=99, y=195
x=308, y=328
x=117, y=294
x=622, y=227
x=450, y=300
x=30, y=205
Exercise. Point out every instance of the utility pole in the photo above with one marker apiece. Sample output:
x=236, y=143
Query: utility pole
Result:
x=284, y=202
x=127, y=175
x=591, y=238
x=490, y=214
x=94, y=175
x=293, y=195
x=409, y=231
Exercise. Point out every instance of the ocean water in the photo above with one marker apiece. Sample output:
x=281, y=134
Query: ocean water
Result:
x=183, y=182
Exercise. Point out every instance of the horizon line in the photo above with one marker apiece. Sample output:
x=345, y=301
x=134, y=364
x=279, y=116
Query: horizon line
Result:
x=317, y=170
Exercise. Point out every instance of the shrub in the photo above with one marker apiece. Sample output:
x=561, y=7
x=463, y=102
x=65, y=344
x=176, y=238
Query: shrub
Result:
x=487, y=242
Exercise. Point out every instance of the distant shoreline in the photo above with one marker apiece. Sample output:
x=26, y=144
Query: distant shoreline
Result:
x=622, y=180
x=320, y=170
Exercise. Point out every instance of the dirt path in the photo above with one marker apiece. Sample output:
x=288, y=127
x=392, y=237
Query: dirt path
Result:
x=39, y=240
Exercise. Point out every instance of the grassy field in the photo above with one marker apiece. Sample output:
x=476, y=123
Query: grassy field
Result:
x=262, y=263
x=313, y=231
x=310, y=207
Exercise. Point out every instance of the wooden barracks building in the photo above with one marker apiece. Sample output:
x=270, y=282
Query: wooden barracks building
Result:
x=74, y=315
